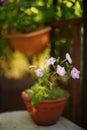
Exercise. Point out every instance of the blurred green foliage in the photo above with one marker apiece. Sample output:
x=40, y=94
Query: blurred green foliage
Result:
x=24, y=16
x=16, y=16
x=69, y=9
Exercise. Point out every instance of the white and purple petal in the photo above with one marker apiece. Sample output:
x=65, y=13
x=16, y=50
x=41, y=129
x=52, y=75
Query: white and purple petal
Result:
x=60, y=70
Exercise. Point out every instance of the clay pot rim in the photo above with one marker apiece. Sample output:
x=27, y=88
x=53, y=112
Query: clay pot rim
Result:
x=54, y=100
x=31, y=34
x=46, y=100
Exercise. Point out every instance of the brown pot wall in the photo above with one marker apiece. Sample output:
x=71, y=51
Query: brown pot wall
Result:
x=31, y=43
x=47, y=112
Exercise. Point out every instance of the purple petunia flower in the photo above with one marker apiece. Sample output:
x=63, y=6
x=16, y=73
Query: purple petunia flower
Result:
x=50, y=61
x=75, y=73
x=60, y=70
x=39, y=72
x=3, y=2
x=68, y=58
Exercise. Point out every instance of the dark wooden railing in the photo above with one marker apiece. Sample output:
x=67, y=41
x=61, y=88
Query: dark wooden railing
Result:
x=76, y=28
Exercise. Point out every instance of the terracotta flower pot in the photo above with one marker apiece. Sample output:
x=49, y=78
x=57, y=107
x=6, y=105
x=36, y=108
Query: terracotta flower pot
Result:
x=47, y=112
x=31, y=43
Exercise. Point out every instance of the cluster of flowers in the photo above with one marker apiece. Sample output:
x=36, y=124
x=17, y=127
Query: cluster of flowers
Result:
x=60, y=70
x=51, y=77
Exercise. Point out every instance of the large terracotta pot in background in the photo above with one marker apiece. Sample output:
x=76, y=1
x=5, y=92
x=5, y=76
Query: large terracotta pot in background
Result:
x=31, y=43
x=47, y=112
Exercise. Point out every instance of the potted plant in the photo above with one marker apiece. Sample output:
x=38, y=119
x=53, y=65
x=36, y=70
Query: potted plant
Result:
x=22, y=20
x=46, y=99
